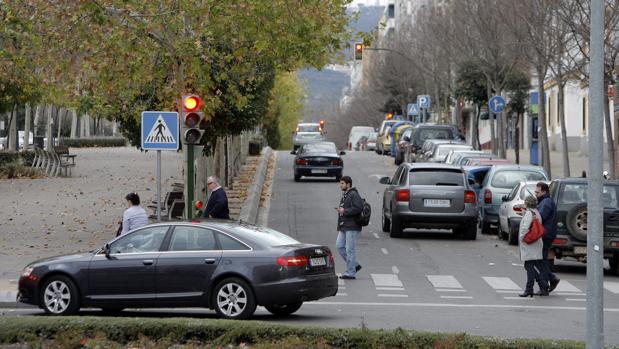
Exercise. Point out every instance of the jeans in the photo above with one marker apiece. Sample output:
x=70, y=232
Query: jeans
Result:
x=346, y=243
x=536, y=271
x=550, y=276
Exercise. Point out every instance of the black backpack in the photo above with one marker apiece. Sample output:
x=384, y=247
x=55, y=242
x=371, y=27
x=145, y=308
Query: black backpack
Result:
x=364, y=217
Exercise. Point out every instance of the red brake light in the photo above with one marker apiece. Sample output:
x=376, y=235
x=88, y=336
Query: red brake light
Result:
x=403, y=195
x=559, y=242
x=487, y=196
x=336, y=162
x=292, y=261
x=469, y=197
x=615, y=244
x=517, y=208
x=301, y=162
x=331, y=260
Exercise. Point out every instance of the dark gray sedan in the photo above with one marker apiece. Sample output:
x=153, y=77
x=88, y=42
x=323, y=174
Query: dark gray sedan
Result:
x=223, y=265
x=318, y=160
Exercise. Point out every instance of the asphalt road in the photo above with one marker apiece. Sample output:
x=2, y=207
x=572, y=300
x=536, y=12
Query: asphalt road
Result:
x=425, y=281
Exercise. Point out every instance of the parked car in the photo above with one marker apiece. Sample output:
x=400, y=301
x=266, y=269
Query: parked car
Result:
x=570, y=197
x=383, y=141
x=370, y=144
x=429, y=196
x=499, y=181
x=462, y=159
x=227, y=266
x=440, y=151
x=422, y=132
x=360, y=143
x=318, y=160
x=426, y=148
x=510, y=212
x=356, y=132
x=478, y=161
x=454, y=154
x=307, y=133
x=403, y=144
x=476, y=175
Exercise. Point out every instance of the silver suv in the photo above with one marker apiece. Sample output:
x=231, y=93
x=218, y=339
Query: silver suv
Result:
x=429, y=196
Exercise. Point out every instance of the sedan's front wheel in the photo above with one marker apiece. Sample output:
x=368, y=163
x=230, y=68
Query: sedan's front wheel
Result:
x=59, y=296
x=234, y=299
x=283, y=309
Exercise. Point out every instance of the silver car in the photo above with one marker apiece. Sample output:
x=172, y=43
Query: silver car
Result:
x=429, y=196
x=456, y=153
x=440, y=151
x=512, y=208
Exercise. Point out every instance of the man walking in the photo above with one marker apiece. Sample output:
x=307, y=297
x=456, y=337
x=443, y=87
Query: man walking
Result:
x=217, y=205
x=349, y=210
x=548, y=210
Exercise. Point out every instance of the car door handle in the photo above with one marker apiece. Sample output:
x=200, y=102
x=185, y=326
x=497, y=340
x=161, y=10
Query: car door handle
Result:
x=147, y=262
x=209, y=260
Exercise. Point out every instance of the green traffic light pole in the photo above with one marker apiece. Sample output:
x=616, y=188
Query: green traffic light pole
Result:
x=189, y=182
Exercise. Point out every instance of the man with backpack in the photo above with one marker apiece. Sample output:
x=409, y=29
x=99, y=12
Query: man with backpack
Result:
x=349, y=224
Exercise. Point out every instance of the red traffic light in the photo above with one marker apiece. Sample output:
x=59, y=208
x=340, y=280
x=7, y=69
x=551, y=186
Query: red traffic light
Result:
x=358, y=51
x=191, y=103
x=192, y=120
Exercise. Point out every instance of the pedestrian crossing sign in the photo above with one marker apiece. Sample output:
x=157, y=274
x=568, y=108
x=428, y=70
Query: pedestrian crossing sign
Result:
x=159, y=130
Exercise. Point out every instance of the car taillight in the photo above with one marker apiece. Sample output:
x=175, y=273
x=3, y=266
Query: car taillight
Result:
x=336, y=162
x=349, y=146
x=487, y=196
x=615, y=244
x=559, y=241
x=403, y=195
x=292, y=261
x=301, y=162
x=331, y=260
x=517, y=208
x=469, y=197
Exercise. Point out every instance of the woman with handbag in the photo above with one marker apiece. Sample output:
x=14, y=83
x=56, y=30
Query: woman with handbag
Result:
x=531, y=249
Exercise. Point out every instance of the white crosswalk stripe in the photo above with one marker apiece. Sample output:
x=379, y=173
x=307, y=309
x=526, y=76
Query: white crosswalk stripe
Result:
x=501, y=283
x=444, y=281
x=386, y=280
x=612, y=286
x=566, y=286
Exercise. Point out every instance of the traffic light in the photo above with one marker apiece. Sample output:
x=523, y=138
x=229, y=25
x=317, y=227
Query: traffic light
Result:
x=192, y=117
x=389, y=116
x=322, y=125
x=358, y=51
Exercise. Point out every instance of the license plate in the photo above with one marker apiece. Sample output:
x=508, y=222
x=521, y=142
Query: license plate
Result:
x=317, y=262
x=580, y=249
x=319, y=171
x=436, y=203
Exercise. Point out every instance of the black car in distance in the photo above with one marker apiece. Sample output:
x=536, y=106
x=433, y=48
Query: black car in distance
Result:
x=228, y=266
x=318, y=160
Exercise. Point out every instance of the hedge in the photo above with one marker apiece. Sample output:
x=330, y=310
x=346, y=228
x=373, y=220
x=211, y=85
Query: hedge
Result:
x=94, y=142
x=13, y=157
x=110, y=332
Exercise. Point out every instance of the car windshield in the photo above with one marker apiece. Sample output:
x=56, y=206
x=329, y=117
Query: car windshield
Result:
x=509, y=178
x=310, y=135
x=372, y=137
x=435, y=133
x=319, y=148
x=576, y=193
x=434, y=176
x=265, y=235
x=309, y=128
x=527, y=190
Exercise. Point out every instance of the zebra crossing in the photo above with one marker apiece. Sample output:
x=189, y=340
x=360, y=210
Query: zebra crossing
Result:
x=448, y=287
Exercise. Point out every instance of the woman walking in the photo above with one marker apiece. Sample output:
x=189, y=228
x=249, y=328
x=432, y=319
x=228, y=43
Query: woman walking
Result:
x=531, y=254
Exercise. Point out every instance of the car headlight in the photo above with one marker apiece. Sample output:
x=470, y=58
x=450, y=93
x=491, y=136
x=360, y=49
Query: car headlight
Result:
x=27, y=271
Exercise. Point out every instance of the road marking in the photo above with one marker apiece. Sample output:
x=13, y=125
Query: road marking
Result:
x=384, y=250
x=576, y=299
x=386, y=280
x=458, y=305
x=376, y=235
x=501, y=283
x=457, y=297
x=449, y=290
x=341, y=287
x=611, y=286
x=519, y=298
x=342, y=294
x=395, y=270
x=569, y=294
x=390, y=288
x=340, y=282
x=565, y=286
x=509, y=292
x=444, y=281
x=392, y=295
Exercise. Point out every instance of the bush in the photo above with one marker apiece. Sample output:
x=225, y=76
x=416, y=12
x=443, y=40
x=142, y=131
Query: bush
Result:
x=94, y=142
x=110, y=332
x=13, y=157
x=16, y=170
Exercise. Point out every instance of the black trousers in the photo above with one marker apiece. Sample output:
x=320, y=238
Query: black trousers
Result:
x=536, y=271
x=550, y=276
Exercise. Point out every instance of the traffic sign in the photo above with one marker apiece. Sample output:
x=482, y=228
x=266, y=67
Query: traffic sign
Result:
x=159, y=130
x=496, y=104
x=412, y=109
x=423, y=101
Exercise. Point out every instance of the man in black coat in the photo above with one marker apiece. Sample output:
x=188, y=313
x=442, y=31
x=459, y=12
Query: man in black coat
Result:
x=349, y=210
x=217, y=205
x=548, y=210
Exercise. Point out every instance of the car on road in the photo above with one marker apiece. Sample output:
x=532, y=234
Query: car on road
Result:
x=318, y=160
x=230, y=267
x=370, y=143
x=356, y=132
x=479, y=161
x=426, y=148
x=402, y=145
x=383, y=141
x=570, y=196
x=307, y=133
x=499, y=181
x=461, y=159
x=422, y=132
x=511, y=210
x=440, y=151
x=429, y=196
x=454, y=154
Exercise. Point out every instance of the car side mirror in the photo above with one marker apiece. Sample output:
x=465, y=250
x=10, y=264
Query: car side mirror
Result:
x=106, y=251
x=342, y=152
x=504, y=198
x=385, y=180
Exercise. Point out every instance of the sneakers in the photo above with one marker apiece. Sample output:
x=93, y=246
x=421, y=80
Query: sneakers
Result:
x=553, y=284
x=347, y=277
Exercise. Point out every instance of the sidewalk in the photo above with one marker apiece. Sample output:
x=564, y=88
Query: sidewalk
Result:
x=578, y=162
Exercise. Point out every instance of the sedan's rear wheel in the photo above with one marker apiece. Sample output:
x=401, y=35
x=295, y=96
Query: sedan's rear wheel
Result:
x=59, y=296
x=485, y=228
x=470, y=232
x=234, y=299
x=283, y=309
x=297, y=178
x=614, y=264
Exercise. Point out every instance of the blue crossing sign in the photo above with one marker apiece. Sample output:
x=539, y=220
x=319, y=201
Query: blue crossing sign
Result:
x=423, y=101
x=496, y=104
x=412, y=109
x=159, y=130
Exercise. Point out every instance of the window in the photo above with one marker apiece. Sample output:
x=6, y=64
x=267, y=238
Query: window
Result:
x=309, y=128
x=391, y=11
x=265, y=235
x=436, y=177
x=319, y=148
x=396, y=176
x=228, y=243
x=429, y=133
x=527, y=190
x=507, y=179
x=144, y=240
x=512, y=194
x=186, y=238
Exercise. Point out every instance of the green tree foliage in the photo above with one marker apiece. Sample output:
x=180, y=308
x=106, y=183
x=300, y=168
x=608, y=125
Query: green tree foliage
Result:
x=517, y=84
x=285, y=110
x=471, y=83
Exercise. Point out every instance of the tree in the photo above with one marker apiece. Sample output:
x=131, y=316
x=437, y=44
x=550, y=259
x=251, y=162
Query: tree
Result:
x=285, y=110
x=518, y=85
x=471, y=84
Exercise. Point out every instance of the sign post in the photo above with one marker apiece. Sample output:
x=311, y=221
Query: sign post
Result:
x=424, y=102
x=412, y=111
x=159, y=132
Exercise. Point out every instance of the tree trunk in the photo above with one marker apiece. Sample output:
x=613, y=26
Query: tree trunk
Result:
x=492, y=121
x=561, y=111
x=61, y=114
x=37, y=117
x=517, y=138
x=73, y=123
x=13, y=133
x=542, y=136
x=27, y=123
x=609, y=137
x=475, y=135
x=49, y=146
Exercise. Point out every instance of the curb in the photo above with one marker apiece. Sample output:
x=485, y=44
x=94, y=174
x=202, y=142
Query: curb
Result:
x=249, y=212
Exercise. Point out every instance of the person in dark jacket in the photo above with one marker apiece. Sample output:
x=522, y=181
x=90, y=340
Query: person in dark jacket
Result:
x=548, y=210
x=348, y=211
x=217, y=205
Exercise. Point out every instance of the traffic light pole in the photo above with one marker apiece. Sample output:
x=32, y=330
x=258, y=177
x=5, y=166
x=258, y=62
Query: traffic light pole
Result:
x=189, y=182
x=158, y=185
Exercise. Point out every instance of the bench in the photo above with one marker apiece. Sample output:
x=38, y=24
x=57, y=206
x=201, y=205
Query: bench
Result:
x=176, y=211
x=170, y=197
x=52, y=163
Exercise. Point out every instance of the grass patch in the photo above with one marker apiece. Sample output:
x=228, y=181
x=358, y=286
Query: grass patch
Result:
x=110, y=332
x=17, y=170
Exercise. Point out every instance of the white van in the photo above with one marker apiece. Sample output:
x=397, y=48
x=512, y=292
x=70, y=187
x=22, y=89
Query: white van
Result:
x=357, y=132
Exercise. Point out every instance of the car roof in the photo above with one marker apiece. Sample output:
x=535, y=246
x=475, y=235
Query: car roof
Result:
x=430, y=165
x=581, y=180
x=517, y=167
x=308, y=124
